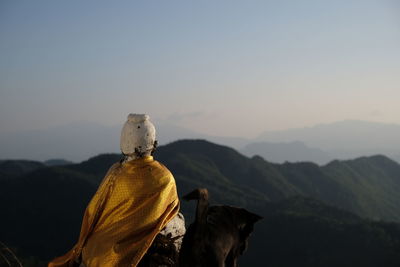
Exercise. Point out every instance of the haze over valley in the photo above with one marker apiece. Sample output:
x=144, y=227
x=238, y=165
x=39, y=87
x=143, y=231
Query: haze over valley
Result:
x=319, y=144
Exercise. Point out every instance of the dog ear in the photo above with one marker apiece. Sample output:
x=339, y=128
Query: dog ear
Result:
x=245, y=217
x=245, y=222
x=253, y=218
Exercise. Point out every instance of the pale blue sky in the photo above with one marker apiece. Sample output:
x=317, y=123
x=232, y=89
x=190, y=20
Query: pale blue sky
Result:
x=232, y=68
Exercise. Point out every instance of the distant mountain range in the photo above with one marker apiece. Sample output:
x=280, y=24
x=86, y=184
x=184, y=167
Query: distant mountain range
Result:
x=309, y=210
x=344, y=139
x=295, y=151
x=320, y=144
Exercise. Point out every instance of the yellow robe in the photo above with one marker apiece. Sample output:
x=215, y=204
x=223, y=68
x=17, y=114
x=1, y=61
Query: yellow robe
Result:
x=133, y=203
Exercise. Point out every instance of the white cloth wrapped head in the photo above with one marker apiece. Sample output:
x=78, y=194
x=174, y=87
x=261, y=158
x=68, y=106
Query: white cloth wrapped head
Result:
x=138, y=136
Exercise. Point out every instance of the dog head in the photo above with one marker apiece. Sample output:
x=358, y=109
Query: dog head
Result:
x=245, y=222
x=237, y=221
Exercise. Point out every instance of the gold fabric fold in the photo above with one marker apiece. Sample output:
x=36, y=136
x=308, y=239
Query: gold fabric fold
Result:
x=133, y=203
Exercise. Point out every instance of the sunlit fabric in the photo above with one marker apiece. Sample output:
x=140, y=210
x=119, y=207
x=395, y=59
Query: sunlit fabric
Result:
x=133, y=203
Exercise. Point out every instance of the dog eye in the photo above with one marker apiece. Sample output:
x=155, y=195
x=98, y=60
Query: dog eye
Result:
x=211, y=219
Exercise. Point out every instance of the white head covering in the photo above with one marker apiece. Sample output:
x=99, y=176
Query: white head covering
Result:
x=137, y=135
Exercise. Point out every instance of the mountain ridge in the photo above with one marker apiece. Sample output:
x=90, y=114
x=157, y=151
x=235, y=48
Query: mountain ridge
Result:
x=296, y=195
x=198, y=161
x=343, y=139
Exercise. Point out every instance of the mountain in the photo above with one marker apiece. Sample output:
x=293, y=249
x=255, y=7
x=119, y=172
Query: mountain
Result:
x=307, y=209
x=305, y=232
x=293, y=152
x=343, y=139
x=11, y=168
x=224, y=170
x=373, y=181
x=41, y=211
x=367, y=186
x=57, y=162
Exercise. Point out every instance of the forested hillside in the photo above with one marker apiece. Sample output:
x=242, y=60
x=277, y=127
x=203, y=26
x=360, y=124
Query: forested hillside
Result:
x=307, y=209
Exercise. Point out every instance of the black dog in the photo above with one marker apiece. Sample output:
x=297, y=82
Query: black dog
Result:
x=218, y=236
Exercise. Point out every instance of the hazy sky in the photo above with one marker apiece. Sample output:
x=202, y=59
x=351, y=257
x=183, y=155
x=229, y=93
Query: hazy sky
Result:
x=233, y=68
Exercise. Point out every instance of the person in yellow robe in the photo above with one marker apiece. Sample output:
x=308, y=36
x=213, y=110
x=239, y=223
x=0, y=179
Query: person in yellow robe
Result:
x=134, y=202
